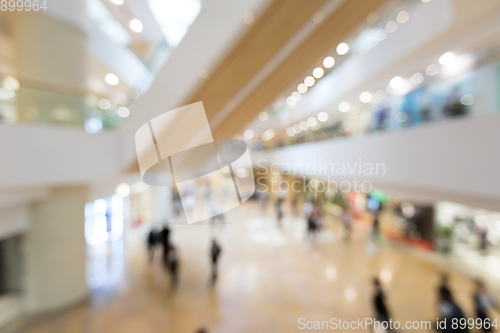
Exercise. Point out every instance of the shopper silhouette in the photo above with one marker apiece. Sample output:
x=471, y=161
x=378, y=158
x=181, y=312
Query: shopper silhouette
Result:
x=381, y=312
x=165, y=233
x=214, y=254
x=173, y=264
x=152, y=239
x=483, y=303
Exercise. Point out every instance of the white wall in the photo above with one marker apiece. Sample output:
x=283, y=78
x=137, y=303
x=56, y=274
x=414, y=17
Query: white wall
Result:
x=37, y=155
x=456, y=160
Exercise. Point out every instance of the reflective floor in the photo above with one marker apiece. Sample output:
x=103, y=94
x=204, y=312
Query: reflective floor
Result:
x=269, y=277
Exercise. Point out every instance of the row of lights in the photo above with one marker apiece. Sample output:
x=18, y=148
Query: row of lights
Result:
x=266, y=136
x=105, y=104
x=317, y=73
x=328, y=62
x=113, y=80
x=135, y=24
x=305, y=124
x=365, y=97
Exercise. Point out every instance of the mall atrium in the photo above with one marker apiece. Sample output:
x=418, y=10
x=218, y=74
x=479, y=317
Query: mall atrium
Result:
x=230, y=166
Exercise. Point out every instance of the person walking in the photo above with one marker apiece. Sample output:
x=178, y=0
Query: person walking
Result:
x=165, y=234
x=483, y=303
x=381, y=312
x=173, y=264
x=214, y=255
x=279, y=210
x=450, y=313
x=152, y=238
x=346, y=221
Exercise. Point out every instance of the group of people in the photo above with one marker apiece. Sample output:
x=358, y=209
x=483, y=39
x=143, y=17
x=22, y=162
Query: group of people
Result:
x=450, y=313
x=170, y=254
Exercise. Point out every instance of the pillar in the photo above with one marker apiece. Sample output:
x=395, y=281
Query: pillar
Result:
x=56, y=251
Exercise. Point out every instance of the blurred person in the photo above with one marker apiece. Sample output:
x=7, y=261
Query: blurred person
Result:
x=165, y=234
x=346, y=221
x=381, y=312
x=279, y=210
x=314, y=220
x=152, y=239
x=482, y=233
x=263, y=202
x=202, y=330
x=307, y=207
x=173, y=264
x=215, y=252
x=376, y=226
x=449, y=311
x=444, y=284
x=483, y=303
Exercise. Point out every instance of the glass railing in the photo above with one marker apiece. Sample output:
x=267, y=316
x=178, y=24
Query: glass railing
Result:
x=20, y=104
x=471, y=93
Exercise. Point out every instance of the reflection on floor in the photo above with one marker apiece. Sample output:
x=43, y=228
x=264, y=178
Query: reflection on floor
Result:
x=269, y=277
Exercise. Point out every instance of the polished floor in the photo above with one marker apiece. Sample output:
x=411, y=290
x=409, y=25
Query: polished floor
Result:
x=270, y=277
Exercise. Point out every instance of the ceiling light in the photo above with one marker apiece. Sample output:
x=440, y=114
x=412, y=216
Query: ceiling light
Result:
x=322, y=116
x=309, y=81
x=303, y=125
x=290, y=131
x=403, y=16
x=296, y=96
x=381, y=35
x=104, y=104
x=417, y=78
x=111, y=79
x=396, y=82
x=290, y=101
x=136, y=25
x=269, y=134
x=123, y=112
x=344, y=107
x=248, y=134
x=318, y=72
x=11, y=83
x=446, y=58
x=302, y=88
x=391, y=26
x=372, y=18
x=311, y=121
x=263, y=116
x=365, y=97
x=296, y=128
x=203, y=73
x=248, y=18
x=328, y=62
x=433, y=69
x=318, y=17
x=342, y=48
x=117, y=2
x=123, y=190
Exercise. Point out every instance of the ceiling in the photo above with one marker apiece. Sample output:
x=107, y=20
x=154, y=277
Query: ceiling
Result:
x=267, y=41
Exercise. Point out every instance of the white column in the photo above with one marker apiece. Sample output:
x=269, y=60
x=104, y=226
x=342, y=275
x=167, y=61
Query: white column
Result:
x=56, y=251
